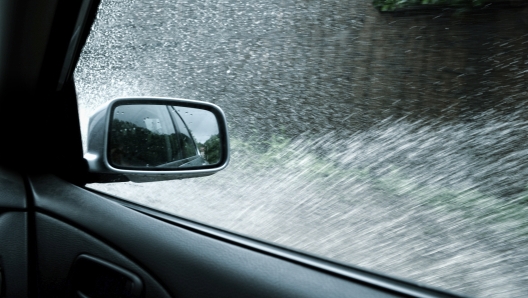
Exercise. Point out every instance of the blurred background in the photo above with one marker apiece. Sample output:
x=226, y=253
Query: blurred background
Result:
x=393, y=140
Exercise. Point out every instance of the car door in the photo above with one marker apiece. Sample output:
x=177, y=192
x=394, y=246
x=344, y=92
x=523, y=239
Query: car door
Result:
x=173, y=257
x=60, y=239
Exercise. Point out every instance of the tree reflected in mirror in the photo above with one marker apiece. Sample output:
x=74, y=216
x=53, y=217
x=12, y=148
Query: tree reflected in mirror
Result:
x=163, y=137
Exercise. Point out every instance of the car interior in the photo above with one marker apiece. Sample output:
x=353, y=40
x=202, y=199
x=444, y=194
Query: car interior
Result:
x=59, y=239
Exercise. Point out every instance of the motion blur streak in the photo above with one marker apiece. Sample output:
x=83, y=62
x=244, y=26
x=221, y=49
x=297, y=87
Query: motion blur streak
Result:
x=392, y=142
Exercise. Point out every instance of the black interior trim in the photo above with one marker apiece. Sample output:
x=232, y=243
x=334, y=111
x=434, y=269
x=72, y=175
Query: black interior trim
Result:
x=13, y=191
x=188, y=263
x=88, y=235
x=14, y=265
x=13, y=253
x=60, y=244
x=32, y=247
x=92, y=276
x=357, y=274
x=195, y=262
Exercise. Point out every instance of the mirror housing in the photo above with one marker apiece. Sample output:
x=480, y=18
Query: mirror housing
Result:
x=146, y=139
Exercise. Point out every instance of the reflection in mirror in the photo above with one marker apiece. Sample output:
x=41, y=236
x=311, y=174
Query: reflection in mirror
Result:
x=163, y=136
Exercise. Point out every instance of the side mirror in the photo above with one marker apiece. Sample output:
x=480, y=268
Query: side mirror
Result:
x=154, y=139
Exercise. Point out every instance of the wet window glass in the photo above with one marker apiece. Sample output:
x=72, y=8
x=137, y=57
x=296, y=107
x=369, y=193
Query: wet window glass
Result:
x=387, y=135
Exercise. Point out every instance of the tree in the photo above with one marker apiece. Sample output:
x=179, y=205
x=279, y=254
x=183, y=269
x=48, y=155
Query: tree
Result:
x=213, y=149
x=392, y=5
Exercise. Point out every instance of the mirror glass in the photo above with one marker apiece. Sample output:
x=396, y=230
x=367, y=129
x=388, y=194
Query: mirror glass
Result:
x=163, y=136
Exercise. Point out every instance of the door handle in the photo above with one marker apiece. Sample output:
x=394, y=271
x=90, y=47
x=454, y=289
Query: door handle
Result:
x=95, y=278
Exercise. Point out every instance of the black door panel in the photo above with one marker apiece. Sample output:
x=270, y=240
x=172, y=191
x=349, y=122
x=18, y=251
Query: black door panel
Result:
x=59, y=246
x=12, y=190
x=13, y=254
x=13, y=235
x=187, y=263
x=94, y=277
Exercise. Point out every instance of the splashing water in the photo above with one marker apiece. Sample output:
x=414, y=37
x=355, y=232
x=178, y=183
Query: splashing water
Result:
x=395, y=144
x=402, y=197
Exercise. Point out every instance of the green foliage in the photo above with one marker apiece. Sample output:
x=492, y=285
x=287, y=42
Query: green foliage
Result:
x=392, y=5
x=213, y=149
x=183, y=141
x=131, y=145
x=282, y=154
x=134, y=146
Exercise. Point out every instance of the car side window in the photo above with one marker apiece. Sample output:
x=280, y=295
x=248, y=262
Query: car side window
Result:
x=389, y=135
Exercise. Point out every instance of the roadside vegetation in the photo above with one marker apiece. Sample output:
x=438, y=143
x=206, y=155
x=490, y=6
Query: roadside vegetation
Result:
x=459, y=5
x=343, y=167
